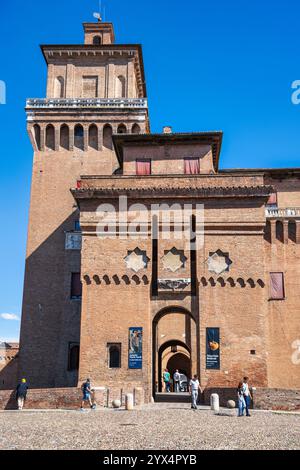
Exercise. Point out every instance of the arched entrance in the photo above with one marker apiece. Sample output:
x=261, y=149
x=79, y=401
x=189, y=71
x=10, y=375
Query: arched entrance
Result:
x=173, y=355
x=175, y=345
x=179, y=362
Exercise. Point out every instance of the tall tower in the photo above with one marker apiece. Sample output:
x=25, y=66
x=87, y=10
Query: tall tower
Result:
x=94, y=90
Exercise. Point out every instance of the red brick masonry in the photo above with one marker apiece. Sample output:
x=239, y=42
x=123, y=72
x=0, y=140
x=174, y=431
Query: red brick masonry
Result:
x=69, y=398
x=65, y=398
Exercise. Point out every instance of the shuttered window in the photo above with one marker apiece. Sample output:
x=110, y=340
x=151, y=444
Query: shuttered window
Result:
x=277, y=286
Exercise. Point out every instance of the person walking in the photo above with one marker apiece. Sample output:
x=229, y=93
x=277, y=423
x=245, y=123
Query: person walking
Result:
x=241, y=399
x=167, y=380
x=87, y=392
x=177, y=381
x=195, y=389
x=247, y=395
x=21, y=394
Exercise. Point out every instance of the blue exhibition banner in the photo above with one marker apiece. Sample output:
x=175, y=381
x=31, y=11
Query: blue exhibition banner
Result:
x=213, y=348
x=135, y=351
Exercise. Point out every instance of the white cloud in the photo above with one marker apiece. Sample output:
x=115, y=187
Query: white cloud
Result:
x=9, y=317
x=9, y=340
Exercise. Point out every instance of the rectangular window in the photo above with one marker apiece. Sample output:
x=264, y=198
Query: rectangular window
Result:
x=277, y=286
x=76, y=286
x=77, y=227
x=89, y=87
x=73, y=357
x=143, y=167
x=272, y=200
x=191, y=166
x=114, y=355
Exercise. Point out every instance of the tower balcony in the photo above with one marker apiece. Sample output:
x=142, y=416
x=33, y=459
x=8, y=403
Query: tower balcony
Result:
x=90, y=103
x=288, y=212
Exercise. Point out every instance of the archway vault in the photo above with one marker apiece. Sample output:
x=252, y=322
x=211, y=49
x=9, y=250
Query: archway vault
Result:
x=173, y=342
x=171, y=310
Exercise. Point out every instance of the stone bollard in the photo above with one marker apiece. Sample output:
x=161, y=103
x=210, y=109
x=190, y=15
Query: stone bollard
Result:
x=231, y=404
x=129, y=404
x=99, y=395
x=116, y=404
x=215, y=402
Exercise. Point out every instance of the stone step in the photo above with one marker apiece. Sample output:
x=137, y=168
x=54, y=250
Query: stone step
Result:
x=172, y=398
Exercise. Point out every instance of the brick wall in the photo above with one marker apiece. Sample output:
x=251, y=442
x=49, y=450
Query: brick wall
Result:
x=277, y=399
x=68, y=398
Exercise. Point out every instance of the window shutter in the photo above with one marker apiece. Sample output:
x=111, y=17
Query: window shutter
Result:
x=277, y=286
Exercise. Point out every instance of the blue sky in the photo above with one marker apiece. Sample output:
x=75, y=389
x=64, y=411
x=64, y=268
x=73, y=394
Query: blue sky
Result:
x=209, y=65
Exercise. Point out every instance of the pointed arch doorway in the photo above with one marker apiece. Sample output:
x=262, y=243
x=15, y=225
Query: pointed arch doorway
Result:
x=175, y=345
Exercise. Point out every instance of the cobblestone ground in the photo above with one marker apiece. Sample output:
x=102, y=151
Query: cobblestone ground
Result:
x=161, y=427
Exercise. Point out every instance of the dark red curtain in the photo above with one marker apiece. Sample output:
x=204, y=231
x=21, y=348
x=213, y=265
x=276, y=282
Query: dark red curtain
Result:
x=191, y=166
x=143, y=167
x=272, y=199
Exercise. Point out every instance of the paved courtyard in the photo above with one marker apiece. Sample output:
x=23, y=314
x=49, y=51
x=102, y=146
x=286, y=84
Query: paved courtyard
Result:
x=161, y=426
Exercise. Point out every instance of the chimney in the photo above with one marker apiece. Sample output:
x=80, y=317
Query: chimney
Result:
x=167, y=130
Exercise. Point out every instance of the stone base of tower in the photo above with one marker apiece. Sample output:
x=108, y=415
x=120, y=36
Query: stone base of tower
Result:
x=70, y=398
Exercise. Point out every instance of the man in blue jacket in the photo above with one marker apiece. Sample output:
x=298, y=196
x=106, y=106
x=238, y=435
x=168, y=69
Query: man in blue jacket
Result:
x=21, y=394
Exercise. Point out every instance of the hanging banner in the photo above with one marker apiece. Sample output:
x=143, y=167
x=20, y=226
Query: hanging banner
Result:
x=135, y=351
x=213, y=348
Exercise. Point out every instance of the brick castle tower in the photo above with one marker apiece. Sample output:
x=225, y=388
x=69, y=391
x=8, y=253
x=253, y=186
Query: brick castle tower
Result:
x=94, y=90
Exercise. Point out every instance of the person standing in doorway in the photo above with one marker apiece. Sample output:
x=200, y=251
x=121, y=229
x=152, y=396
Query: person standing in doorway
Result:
x=87, y=394
x=167, y=380
x=247, y=395
x=177, y=381
x=21, y=394
x=195, y=389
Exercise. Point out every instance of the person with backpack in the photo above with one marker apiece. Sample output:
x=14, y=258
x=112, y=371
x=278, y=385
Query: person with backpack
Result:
x=87, y=395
